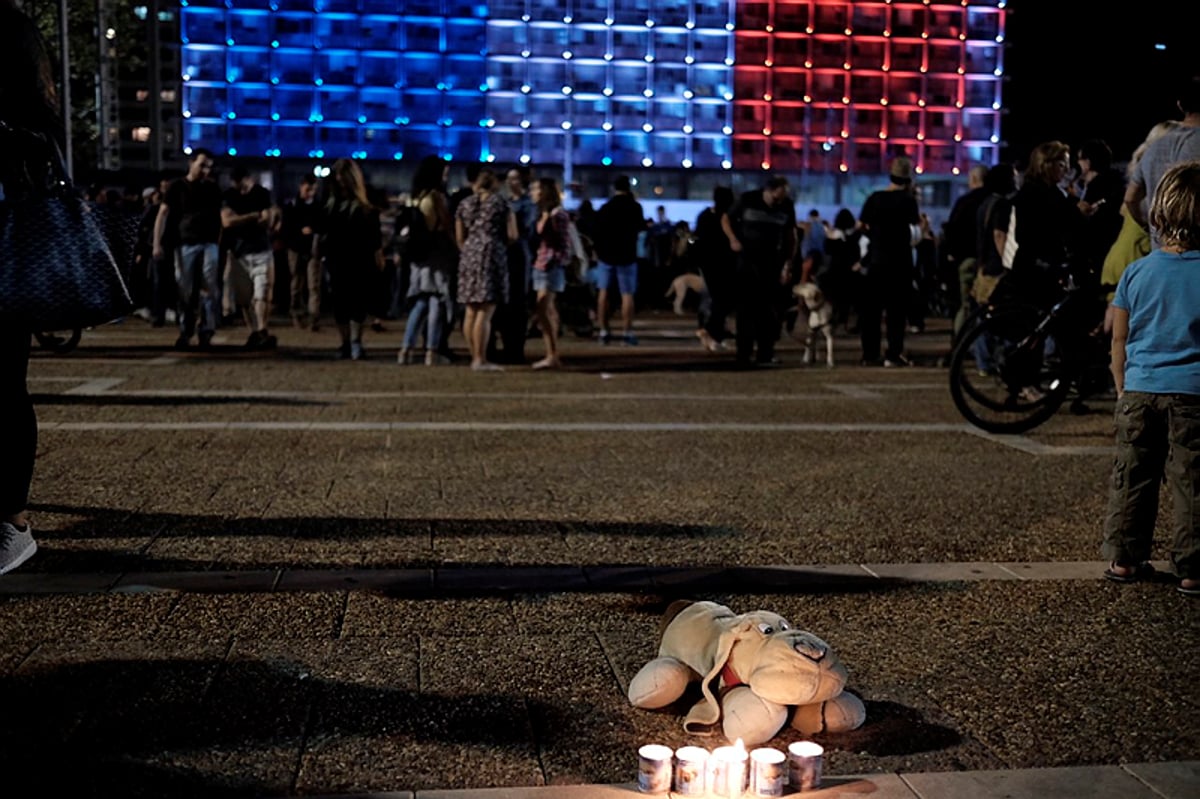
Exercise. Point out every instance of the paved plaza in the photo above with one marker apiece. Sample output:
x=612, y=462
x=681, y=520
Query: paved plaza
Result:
x=273, y=574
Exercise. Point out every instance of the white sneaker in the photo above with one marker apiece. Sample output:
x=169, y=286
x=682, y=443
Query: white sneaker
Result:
x=16, y=546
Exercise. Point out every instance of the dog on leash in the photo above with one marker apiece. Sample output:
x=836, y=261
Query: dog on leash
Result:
x=681, y=285
x=820, y=320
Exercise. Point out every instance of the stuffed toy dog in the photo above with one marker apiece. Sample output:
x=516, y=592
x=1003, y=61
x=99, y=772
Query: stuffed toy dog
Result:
x=755, y=671
x=820, y=320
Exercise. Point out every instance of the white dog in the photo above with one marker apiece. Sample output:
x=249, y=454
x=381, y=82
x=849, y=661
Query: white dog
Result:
x=681, y=285
x=820, y=319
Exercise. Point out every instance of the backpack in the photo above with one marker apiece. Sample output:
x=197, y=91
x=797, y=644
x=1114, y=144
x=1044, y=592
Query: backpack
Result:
x=414, y=239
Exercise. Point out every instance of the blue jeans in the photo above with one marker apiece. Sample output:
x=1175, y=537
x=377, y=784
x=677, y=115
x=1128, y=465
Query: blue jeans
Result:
x=427, y=310
x=197, y=272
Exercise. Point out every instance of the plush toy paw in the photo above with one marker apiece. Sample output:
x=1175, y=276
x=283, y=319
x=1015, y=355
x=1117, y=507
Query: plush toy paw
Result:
x=842, y=713
x=748, y=716
x=659, y=683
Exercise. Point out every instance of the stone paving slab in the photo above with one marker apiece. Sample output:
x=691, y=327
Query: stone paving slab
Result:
x=1097, y=782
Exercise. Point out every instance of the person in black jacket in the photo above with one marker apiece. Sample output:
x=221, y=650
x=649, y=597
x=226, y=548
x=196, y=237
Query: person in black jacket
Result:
x=617, y=225
x=27, y=104
x=300, y=216
x=348, y=242
x=960, y=240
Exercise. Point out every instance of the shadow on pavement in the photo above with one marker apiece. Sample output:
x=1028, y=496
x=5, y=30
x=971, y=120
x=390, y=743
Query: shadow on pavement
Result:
x=213, y=728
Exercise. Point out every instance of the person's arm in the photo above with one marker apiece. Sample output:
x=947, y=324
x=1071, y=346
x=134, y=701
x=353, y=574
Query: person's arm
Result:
x=791, y=243
x=1120, y=332
x=1135, y=192
x=230, y=219
x=160, y=227
x=460, y=232
x=727, y=227
x=511, y=228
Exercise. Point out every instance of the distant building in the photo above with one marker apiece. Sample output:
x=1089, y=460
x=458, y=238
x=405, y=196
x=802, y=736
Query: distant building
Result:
x=683, y=92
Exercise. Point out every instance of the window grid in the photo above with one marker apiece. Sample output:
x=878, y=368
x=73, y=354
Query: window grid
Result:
x=815, y=85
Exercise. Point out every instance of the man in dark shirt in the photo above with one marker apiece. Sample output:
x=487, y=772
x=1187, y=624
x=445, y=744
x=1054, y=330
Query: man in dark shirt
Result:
x=888, y=217
x=189, y=223
x=248, y=216
x=761, y=227
x=618, y=223
x=961, y=239
x=299, y=221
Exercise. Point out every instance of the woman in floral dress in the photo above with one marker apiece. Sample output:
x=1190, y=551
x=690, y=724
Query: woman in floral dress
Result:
x=485, y=226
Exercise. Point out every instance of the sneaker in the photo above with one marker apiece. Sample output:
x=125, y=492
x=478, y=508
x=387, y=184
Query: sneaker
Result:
x=897, y=362
x=1031, y=394
x=268, y=341
x=605, y=337
x=298, y=322
x=183, y=342
x=433, y=358
x=404, y=356
x=255, y=340
x=631, y=340
x=356, y=351
x=16, y=546
x=206, y=341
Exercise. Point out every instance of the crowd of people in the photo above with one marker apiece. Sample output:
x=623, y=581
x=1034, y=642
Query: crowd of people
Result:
x=503, y=260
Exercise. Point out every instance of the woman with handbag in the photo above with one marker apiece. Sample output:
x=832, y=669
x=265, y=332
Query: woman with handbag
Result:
x=27, y=103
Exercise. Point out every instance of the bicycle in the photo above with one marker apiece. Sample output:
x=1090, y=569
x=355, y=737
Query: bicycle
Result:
x=1014, y=363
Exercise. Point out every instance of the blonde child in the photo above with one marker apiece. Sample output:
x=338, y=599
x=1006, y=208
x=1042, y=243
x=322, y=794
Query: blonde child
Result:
x=1156, y=366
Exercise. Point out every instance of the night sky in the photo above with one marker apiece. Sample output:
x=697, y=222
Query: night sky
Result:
x=1082, y=69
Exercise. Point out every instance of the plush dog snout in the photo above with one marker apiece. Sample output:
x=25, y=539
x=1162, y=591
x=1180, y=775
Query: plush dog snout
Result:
x=813, y=650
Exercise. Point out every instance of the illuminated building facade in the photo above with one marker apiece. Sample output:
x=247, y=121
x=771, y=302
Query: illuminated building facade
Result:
x=816, y=86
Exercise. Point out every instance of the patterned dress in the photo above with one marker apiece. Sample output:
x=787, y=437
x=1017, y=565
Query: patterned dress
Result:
x=483, y=262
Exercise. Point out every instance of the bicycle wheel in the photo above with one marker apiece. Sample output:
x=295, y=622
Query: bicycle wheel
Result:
x=59, y=341
x=1004, y=374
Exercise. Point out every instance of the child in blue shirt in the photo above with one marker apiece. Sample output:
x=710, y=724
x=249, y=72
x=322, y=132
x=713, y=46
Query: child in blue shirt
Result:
x=1156, y=366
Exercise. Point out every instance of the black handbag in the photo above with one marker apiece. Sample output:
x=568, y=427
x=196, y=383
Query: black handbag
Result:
x=57, y=269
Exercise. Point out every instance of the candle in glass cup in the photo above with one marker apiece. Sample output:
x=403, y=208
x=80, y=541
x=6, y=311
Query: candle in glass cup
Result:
x=654, y=768
x=804, y=765
x=727, y=771
x=691, y=768
x=767, y=772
